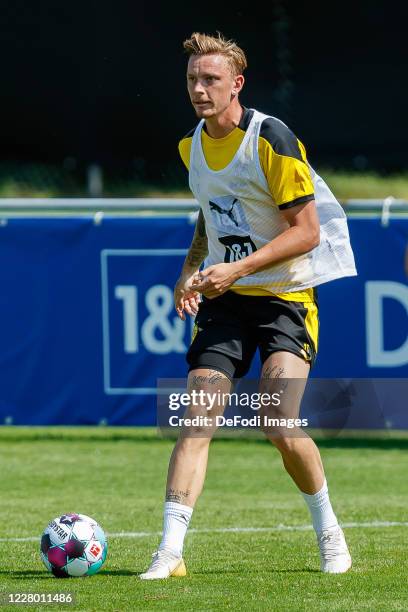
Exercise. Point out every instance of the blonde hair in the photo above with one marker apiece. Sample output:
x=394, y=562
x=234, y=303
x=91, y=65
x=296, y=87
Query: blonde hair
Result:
x=204, y=44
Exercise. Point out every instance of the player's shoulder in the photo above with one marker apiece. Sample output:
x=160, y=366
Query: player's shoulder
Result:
x=189, y=134
x=184, y=147
x=281, y=138
x=185, y=142
x=246, y=118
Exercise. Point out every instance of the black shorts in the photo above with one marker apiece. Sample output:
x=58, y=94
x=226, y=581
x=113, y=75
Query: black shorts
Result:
x=230, y=328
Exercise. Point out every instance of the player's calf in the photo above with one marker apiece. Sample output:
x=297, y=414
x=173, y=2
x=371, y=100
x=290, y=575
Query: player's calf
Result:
x=302, y=461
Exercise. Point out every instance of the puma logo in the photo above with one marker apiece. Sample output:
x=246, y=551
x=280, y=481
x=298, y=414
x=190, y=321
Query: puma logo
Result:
x=221, y=211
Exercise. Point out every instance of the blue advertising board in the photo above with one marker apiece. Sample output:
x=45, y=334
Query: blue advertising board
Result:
x=87, y=323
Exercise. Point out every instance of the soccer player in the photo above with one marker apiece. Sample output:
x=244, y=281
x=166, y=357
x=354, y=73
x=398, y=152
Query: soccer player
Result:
x=270, y=231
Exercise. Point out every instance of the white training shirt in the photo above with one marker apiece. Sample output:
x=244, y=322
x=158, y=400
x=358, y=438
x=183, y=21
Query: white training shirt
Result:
x=241, y=217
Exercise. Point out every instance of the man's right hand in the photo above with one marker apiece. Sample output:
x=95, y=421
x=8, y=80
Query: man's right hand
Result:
x=185, y=299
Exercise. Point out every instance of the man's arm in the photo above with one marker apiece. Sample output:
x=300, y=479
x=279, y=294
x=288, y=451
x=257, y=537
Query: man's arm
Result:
x=302, y=235
x=198, y=250
x=186, y=298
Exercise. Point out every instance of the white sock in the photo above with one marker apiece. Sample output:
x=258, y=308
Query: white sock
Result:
x=175, y=522
x=321, y=509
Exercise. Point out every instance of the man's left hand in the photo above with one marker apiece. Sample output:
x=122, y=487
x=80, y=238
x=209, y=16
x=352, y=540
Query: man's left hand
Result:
x=215, y=280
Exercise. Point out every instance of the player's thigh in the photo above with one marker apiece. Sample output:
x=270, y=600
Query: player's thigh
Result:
x=282, y=384
x=221, y=339
x=209, y=391
x=289, y=327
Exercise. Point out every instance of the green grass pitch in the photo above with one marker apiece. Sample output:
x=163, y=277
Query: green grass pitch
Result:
x=117, y=476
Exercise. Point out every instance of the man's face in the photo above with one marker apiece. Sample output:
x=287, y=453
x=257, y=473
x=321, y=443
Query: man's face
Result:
x=210, y=84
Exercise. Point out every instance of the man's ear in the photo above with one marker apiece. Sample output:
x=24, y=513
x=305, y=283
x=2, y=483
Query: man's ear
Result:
x=238, y=84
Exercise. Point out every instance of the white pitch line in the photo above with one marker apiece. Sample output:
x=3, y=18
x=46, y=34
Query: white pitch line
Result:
x=277, y=528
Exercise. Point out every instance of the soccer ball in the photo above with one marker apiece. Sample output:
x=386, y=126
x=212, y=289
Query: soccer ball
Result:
x=73, y=545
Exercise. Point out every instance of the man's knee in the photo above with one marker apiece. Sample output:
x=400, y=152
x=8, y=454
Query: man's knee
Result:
x=193, y=441
x=283, y=442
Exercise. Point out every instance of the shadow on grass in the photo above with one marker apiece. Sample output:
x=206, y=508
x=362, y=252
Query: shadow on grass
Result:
x=382, y=441
x=21, y=574
x=78, y=434
x=375, y=439
x=378, y=443
x=303, y=570
x=120, y=572
x=18, y=574
x=270, y=570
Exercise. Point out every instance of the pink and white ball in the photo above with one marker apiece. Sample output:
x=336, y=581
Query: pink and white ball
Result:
x=73, y=545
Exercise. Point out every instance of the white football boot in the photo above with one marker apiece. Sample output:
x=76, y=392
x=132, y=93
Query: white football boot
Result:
x=334, y=554
x=165, y=563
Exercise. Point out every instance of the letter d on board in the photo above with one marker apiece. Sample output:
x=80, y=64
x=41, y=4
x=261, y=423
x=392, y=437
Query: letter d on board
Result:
x=375, y=292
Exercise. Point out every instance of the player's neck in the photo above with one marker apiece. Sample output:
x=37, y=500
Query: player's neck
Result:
x=221, y=125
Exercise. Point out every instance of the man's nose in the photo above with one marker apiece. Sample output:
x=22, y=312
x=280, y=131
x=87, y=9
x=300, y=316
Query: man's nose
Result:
x=198, y=88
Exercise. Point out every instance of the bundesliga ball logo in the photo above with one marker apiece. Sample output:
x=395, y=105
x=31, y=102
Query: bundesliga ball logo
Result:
x=73, y=545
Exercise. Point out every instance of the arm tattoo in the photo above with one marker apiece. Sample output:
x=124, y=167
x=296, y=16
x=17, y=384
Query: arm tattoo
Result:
x=198, y=250
x=200, y=226
x=175, y=495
